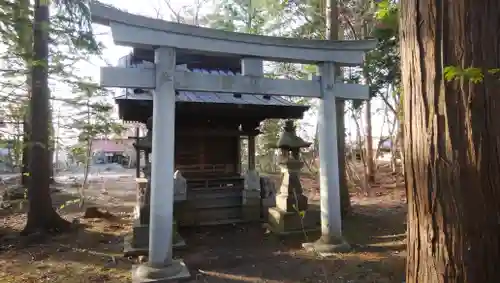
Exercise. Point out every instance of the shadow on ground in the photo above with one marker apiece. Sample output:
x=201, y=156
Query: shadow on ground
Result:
x=246, y=253
x=231, y=253
x=92, y=252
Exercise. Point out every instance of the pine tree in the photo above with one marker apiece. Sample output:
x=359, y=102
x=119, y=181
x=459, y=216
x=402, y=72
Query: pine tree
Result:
x=41, y=216
x=69, y=40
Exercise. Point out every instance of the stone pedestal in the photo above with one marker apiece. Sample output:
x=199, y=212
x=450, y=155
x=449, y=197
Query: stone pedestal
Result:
x=328, y=246
x=251, y=197
x=268, y=196
x=180, y=187
x=137, y=242
x=171, y=272
x=141, y=209
x=283, y=223
x=292, y=213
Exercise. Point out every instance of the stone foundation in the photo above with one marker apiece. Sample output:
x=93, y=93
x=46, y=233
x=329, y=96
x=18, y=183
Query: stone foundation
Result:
x=282, y=222
x=137, y=243
x=292, y=213
x=175, y=271
x=251, y=197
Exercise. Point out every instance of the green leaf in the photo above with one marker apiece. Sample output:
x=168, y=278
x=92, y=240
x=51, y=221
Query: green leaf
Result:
x=451, y=73
x=302, y=214
x=474, y=74
x=494, y=71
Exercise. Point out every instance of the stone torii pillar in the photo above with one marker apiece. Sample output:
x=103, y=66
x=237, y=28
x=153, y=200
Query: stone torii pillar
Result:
x=160, y=263
x=331, y=240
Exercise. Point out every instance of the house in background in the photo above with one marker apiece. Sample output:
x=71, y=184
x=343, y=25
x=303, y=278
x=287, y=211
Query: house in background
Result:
x=118, y=149
x=110, y=151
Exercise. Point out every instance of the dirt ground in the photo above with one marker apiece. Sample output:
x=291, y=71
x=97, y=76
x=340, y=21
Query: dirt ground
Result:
x=232, y=253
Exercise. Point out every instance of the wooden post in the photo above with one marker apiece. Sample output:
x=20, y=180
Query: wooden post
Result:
x=137, y=155
x=251, y=153
x=252, y=67
x=238, y=154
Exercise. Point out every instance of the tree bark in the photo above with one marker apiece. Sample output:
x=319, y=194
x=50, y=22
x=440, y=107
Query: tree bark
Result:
x=25, y=46
x=25, y=170
x=52, y=145
x=452, y=140
x=332, y=33
x=41, y=216
x=370, y=165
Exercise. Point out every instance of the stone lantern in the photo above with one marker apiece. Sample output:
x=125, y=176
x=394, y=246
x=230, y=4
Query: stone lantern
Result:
x=291, y=213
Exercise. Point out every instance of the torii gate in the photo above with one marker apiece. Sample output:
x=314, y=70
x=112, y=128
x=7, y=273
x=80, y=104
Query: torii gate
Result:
x=167, y=37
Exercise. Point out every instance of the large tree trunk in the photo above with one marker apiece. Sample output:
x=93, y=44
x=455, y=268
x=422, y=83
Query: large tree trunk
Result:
x=452, y=141
x=41, y=216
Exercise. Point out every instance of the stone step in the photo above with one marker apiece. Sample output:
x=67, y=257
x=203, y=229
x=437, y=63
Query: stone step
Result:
x=209, y=203
x=223, y=222
x=213, y=202
x=214, y=184
x=214, y=189
x=213, y=195
x=214, y=215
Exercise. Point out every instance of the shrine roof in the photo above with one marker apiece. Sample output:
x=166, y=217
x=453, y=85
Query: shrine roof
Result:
x=216, y=98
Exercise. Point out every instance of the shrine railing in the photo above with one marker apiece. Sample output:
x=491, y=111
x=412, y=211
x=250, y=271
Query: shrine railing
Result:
x=206, y=169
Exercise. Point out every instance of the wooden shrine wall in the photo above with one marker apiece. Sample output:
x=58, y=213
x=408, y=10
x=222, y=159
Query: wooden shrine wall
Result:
x=207, y=156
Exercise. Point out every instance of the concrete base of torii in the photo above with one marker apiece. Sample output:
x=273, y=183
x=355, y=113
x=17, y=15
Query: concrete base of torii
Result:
x=137, y=243
x=174, y=271
x=328, y=246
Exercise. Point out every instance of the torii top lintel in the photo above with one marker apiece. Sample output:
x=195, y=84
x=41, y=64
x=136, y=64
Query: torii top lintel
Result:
x=148, y=33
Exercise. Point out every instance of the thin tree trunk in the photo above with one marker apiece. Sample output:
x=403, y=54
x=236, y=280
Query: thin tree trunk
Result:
x=88, y=158
x=25, y=171
x=370, y=166
x=41, y=215
x=51, y=145
x=452, y=141
x=365, y=186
